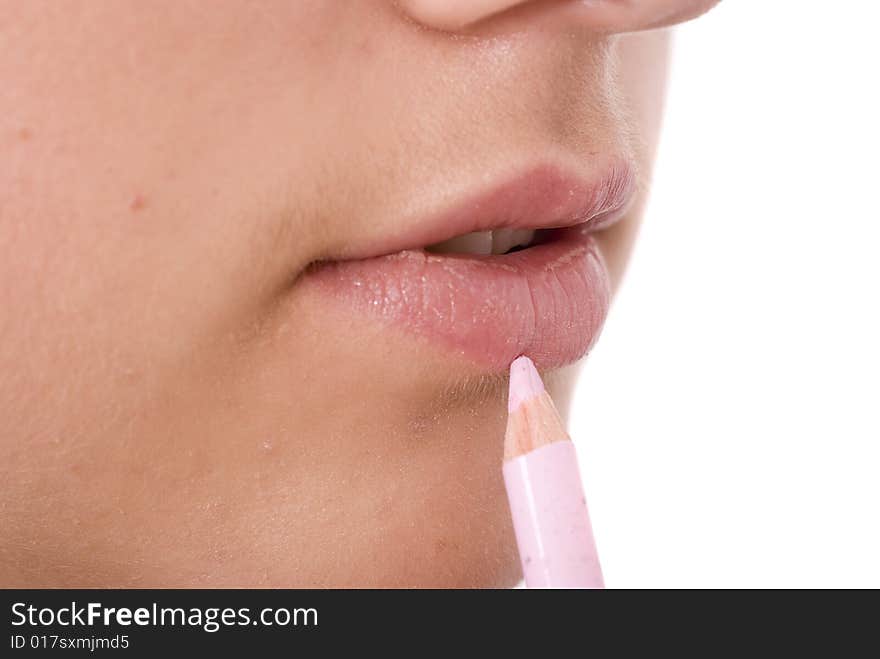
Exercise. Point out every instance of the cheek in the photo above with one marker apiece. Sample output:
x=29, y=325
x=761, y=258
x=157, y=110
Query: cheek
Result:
x=107, y=167
x=642, y=61
x=124, y=218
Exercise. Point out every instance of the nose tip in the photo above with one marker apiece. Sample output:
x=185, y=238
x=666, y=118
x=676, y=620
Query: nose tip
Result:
x=602, y=15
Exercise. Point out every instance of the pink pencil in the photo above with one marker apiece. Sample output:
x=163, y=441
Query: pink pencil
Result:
x=547, y=502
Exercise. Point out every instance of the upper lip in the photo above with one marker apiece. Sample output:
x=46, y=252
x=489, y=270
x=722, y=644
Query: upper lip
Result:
x=544, y=196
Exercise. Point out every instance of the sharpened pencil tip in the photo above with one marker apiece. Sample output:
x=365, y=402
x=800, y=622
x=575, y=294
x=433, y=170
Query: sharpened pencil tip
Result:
x=525, y=383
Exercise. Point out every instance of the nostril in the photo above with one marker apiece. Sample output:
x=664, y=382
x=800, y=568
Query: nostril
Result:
x=454, y=14
x=604, y=16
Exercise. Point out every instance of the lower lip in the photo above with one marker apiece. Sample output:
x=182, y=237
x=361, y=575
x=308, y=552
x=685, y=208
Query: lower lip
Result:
x=548, y=302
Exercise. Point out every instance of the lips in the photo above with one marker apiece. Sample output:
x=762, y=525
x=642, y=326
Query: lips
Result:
x=547, y=300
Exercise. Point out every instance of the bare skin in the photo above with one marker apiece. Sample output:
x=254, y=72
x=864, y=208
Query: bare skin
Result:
x=175, y=408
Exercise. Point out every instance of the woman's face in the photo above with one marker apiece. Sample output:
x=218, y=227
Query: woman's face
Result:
x=202, y=380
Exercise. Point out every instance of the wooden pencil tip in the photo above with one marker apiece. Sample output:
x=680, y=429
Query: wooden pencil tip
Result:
x=525, y=383
x=532, y=419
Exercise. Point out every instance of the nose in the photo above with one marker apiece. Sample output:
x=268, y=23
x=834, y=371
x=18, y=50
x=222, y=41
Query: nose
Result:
x=602, y=15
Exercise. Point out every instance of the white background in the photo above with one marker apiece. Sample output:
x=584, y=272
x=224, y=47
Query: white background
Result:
x=728, y=421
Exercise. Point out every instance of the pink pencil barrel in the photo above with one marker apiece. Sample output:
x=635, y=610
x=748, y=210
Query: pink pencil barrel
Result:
x=550, y=519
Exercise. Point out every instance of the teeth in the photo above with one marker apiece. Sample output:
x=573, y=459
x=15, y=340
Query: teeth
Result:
x=478, y=242
x=503, y=240
x=499, y=241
